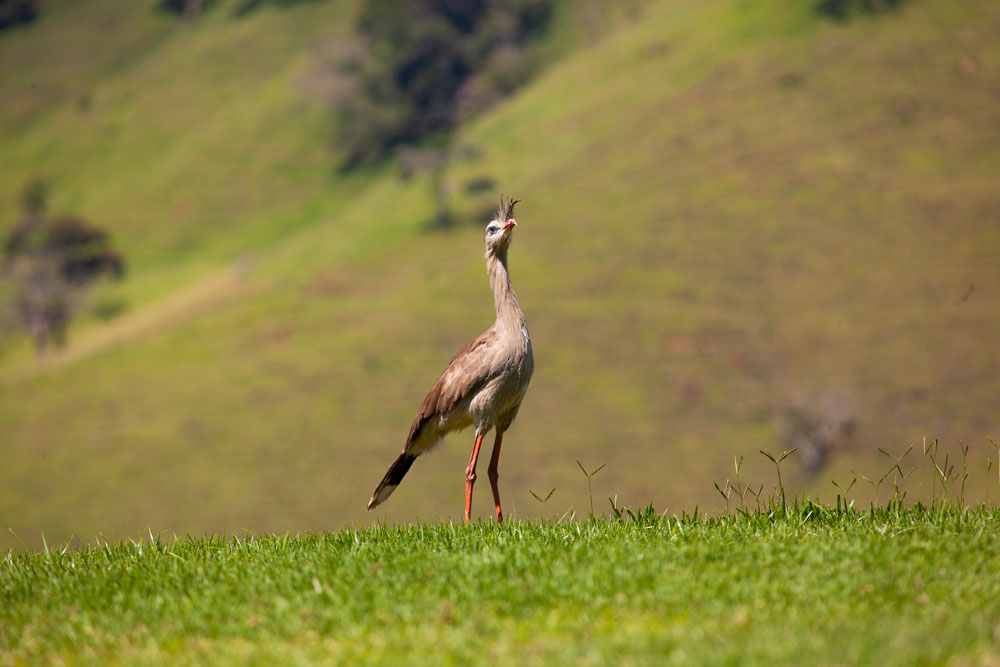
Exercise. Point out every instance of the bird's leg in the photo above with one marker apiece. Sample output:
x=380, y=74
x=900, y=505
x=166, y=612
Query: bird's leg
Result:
x=495, y=475
x=470, y=477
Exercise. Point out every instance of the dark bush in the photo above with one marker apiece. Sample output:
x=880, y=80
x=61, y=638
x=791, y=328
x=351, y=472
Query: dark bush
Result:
x=426, y=64
x=842, y=10
x=247, y=6
x=84, y=250
x=185, y=7
x=48, y=262
x=13, y=12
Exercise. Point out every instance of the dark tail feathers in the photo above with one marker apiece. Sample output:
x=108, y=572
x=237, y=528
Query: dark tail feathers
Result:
x=393, y=476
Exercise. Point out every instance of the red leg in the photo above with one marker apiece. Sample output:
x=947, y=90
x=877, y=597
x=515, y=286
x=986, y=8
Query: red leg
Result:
x=494, y=475
x=470, y=477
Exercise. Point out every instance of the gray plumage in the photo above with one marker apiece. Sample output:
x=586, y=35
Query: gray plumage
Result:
x=485, y=382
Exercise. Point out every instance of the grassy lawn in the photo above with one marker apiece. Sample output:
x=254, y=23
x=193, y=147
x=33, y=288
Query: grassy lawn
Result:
x=813, y=585
x=726, y=205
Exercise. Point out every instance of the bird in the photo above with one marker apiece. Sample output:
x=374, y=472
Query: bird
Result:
x=485, y=382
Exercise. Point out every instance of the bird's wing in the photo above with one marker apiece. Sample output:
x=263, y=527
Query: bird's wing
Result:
x=465, y=375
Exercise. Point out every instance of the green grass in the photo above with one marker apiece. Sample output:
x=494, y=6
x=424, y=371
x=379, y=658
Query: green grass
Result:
x=725, y=204
x=813, y=585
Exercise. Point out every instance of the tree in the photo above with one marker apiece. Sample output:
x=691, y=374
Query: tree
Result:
x=13, y=12
x=47, y=262
x=841, y=10
x=185, y=7
x=419, y=69
x=424, y=65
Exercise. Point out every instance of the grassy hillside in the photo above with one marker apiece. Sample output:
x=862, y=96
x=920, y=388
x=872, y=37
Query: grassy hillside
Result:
x=814, y=586
x=726, y=206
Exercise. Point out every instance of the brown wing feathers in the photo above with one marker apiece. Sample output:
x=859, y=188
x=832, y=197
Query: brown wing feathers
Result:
x=449, y=390
x=454, y=384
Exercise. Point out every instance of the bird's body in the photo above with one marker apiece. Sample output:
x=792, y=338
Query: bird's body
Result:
x=483, y=385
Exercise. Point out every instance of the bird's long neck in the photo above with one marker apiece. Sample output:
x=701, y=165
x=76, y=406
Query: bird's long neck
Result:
x=509, y=314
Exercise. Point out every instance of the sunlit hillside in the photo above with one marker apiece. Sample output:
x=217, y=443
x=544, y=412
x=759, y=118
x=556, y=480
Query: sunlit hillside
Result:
x=730, y=211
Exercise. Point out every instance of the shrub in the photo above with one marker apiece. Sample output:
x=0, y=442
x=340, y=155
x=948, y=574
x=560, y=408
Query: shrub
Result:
x=423, y=66
x=47, y=262
x=842, y=10
x=13, y=12
x=185, y=7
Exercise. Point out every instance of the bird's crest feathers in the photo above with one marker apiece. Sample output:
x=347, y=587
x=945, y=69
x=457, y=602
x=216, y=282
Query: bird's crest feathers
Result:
x=506, y=210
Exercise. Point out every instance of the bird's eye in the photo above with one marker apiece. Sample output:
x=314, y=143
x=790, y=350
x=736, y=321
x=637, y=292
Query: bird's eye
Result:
x=492, y=229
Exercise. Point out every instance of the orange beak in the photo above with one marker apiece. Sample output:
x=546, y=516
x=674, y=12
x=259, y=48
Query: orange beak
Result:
x=510, y=223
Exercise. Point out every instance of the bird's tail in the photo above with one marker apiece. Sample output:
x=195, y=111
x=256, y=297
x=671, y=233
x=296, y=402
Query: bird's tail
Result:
x=393, y=476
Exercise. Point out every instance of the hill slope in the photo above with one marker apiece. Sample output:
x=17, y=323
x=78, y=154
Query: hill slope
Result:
x=725, y=206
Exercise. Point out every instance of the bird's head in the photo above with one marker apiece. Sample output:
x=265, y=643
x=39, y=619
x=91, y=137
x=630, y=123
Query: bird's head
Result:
x=501, y=228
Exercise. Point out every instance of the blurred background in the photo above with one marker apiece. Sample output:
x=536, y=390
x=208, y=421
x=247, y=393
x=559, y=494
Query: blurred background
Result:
x=242, y=238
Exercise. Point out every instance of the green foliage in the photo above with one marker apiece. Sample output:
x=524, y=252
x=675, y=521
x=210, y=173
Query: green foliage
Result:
x=425, y=65
x=812, y=585
x=81, y=250
x=47, y=259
